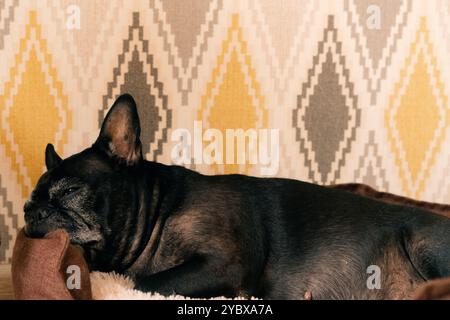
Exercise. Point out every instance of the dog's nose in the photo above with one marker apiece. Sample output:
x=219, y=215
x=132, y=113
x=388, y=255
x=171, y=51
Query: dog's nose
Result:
x=33, y=214
x=28, y=206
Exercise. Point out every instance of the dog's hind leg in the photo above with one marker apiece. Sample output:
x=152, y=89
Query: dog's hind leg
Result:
x=427, y=244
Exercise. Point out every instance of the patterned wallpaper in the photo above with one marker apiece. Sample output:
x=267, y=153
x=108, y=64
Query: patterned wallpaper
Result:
x=358, y=89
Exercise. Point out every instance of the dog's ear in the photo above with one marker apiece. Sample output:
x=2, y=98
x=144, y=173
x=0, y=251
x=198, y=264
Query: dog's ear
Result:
x=52, y=159
x=119, y=135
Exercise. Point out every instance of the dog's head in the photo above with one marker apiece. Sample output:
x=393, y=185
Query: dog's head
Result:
x=78, y=193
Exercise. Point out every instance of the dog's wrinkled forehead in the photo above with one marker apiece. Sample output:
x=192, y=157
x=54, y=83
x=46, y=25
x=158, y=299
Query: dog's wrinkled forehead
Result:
x=85, y=167
x=63, y=183
x=49, y=184
x=85, y=164
x=49, y=189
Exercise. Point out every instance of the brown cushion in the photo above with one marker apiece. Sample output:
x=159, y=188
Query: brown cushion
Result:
x=438, y=289
x=39, y=268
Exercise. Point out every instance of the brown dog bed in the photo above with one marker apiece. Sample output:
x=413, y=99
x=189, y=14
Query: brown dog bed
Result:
x=41, y=268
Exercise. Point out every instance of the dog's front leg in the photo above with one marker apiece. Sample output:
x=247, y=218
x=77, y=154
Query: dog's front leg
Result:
x=200, y=277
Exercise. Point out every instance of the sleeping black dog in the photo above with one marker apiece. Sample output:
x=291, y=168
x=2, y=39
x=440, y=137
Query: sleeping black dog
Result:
x=177, y=231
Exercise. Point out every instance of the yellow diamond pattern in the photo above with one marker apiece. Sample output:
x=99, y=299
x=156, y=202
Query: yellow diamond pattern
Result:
x=417, y=116
x=233, y=99
x=33, y=100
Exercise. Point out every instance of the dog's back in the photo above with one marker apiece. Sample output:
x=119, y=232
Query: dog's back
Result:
x=299, y=237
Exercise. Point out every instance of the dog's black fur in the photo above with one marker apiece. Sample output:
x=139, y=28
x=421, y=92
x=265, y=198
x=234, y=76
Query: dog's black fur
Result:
x=177, y=231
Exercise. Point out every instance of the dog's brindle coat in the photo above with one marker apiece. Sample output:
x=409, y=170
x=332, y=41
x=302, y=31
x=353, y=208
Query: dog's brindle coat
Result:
x=175, y=230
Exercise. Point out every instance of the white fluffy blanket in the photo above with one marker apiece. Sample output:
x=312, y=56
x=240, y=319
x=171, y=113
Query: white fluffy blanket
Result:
x=113, y=286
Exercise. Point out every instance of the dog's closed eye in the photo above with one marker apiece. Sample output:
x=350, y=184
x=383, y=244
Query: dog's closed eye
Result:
x=69, y=191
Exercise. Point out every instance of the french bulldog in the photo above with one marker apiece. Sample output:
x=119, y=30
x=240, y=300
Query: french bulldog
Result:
x=174, y=230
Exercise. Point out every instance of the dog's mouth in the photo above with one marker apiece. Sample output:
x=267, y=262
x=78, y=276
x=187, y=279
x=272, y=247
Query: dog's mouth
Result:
x=38, y=229
x=81, y=230
x=30, y=232
x=82, y=238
